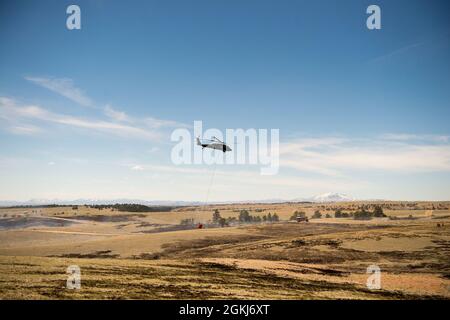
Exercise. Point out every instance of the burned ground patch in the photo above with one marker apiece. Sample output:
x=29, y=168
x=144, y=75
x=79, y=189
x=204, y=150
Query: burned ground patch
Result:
x=26, y=222
x=102, y=254
x=107, y=218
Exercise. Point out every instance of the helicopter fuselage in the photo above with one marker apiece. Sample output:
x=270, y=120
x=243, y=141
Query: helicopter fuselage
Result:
x=217, y=146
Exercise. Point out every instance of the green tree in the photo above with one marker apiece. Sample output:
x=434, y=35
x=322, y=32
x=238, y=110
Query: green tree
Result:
x=297, y=214
x=317, y=215
x=378, y=212
x=244, y=216
x=223, y=222
x=216, y=217
x=362, y=214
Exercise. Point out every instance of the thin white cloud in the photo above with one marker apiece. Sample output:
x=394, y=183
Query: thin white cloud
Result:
x=116, y=115
x=149, y=122
x=415, y=137
x=24, y=129
x=336, y=157
x=153, y=150
x=396, y=52
x=137, y=168
x=64, y=87
x=158, y=123
x=10, y=110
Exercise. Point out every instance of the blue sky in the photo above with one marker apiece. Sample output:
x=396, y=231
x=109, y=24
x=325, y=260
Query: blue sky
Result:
x=88, y=113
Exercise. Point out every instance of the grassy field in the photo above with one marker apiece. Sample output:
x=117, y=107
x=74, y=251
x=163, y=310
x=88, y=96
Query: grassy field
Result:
x=127, y=255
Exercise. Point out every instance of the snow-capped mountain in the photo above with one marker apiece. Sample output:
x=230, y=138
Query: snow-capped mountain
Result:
x=332, y=197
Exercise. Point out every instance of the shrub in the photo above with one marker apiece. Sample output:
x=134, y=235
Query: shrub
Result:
x=187, y=222
x=297, y=214
x=362, y=215
x=244, y=216
x=317, y=215
x=216, y=216
x=378, y=212
x=222, y=222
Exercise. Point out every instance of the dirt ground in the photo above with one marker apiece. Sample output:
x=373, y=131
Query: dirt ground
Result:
x=125, y=255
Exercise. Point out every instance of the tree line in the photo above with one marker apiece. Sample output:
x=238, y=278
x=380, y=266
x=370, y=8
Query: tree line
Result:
x=361, y=214
x=244, y=217
x=132, y=207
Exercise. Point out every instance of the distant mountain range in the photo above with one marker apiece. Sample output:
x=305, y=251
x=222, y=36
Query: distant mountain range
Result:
x=39, y=202
x=332, y=197
x=326, y=197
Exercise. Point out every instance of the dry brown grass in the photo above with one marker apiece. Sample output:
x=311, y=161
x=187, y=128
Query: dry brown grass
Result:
x=327, y=258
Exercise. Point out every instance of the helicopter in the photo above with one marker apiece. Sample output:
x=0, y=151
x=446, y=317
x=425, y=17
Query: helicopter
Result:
x=213, y=143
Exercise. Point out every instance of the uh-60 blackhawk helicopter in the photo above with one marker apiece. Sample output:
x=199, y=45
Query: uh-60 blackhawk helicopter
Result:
x=213, y=143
